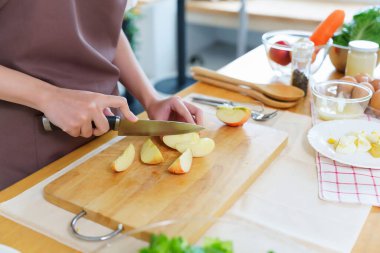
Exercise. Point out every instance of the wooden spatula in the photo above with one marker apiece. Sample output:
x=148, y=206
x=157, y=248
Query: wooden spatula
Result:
x=252, y=93
x=276, y=91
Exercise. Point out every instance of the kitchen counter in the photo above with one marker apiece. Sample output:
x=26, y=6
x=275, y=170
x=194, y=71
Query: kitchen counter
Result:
x=267, y=15
x=249, y=67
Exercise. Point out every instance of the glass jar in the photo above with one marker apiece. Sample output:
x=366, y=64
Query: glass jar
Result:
x=361, y=58
x=302, y=52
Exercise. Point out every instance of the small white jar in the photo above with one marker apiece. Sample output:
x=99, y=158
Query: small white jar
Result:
x=361, y=58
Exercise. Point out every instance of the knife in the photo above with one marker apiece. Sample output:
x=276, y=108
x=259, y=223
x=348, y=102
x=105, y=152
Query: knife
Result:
x=140, y=127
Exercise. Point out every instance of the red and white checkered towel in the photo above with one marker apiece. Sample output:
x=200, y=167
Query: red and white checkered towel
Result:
x=344, y=183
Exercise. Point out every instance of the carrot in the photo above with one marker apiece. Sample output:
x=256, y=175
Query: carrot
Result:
x=326, y=29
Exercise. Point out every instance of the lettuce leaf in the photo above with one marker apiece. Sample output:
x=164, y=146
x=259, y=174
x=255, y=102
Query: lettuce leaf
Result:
x=215, y=245
x=163, y=244
x=365, y=25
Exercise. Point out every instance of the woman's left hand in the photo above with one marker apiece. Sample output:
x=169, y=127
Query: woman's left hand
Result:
x=175, y=109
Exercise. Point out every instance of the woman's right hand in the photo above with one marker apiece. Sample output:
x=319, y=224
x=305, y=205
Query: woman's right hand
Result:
x=74, y=111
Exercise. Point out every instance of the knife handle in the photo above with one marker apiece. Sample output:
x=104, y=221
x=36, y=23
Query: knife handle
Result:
x=113, y=121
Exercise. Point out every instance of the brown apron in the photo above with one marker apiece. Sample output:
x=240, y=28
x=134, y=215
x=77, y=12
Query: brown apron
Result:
x=68, y=43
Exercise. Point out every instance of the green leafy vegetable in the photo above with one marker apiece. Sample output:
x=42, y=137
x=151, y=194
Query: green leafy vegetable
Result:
x=364, y=26
x=162, y=244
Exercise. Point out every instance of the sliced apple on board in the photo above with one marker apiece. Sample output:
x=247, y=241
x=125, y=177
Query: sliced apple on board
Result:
x=182, y=164
x=124, y=160
x=233, y=115
x=172, y=140
x=150, y=154
x=199, y=149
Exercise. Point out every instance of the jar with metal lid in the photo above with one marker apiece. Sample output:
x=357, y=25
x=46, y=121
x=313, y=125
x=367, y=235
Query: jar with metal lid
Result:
x=361, y=58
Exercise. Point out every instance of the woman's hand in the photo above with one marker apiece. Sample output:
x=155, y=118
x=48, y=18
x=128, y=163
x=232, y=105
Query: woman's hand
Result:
x=136, y=82
x=174, y=108
x=74, y=111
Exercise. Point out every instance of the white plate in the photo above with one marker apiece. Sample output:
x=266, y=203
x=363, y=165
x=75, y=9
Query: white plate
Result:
x=320, y=133
x=7, y=249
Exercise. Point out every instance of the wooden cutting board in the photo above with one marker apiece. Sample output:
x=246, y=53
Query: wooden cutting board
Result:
x=148, y=193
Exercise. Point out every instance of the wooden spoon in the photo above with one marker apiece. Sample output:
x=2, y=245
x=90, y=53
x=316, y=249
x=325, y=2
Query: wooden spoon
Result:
x=276, y=90
x=252, y=93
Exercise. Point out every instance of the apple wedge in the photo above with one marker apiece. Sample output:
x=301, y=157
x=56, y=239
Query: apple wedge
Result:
x=233, y=115
x=199, y=149
x=150, y=154
x=375, y=150
x=172, y=140
x=125, y=160
x=182, y=164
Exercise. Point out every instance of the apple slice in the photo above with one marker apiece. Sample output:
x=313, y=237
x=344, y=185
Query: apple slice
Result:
x=125, y=160
x=233, y=115
x=375, y=150
x=182, y=164
x=172, y=140
x=199, y=149
x=150, y=154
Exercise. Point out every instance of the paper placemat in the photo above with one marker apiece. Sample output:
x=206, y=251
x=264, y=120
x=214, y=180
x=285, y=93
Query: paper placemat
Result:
x=282, y=202
x=344, y=183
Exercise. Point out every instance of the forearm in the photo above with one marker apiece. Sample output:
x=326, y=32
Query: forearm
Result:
x=131, y=74
x=20, y=88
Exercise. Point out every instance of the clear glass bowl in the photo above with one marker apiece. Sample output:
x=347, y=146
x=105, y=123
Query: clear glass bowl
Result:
x=335, y=99
x=280, y=56
x=246, y=236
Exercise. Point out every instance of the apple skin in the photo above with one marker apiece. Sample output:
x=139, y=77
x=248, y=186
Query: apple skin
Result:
x=280, y=56
x=227, y=115
x=182, y=164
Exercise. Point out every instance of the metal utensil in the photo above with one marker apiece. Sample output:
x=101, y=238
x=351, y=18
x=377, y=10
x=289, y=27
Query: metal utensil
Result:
x=255, y=115
x=141, y=127
x=262, y=116
x=216, y=102
x=212, y=102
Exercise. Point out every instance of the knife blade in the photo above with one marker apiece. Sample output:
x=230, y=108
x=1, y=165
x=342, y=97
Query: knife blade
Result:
x=141, y=127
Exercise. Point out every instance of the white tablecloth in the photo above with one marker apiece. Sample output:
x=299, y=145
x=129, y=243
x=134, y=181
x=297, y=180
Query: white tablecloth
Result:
x=283, y=202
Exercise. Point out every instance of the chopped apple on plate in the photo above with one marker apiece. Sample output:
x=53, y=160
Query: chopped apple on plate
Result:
x=182, y=164
x=199, y=149
x=233, y=115
x=150, y=154
x=125, y=160
x=172, y=140
x=375, y=150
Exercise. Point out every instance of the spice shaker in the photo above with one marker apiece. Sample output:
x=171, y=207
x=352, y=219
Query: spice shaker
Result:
x=302, y=52
x=361, y=58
